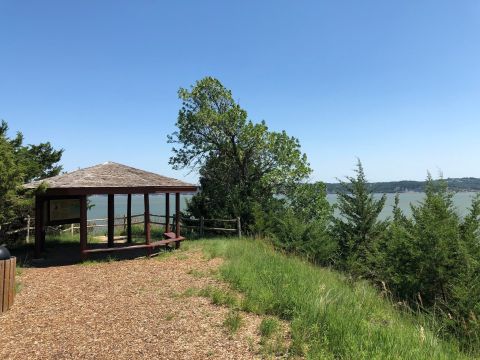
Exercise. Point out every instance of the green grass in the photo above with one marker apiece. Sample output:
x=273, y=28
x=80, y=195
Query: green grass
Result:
x=233, y=321
x=330, y=317
x=220, y=297
x=156, y=231
x=268, y=327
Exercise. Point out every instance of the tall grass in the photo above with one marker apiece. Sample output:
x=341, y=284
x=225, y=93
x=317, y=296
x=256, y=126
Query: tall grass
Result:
x=331, y=317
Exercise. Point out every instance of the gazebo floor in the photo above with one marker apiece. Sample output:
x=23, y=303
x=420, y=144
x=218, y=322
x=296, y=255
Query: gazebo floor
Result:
x=99, y=248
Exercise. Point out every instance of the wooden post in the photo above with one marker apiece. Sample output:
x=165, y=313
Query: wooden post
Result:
x=111, y=219
x=83, y=226
x=71, y=229
x=129, y=218
x=27, y=239
x=7, y=283
x=38, y=225
x=167, y=212
x=239, y=227
x=177, y=214
x=201, y=225
x=147, y=218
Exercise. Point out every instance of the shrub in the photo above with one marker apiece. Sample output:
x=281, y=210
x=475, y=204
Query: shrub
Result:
x=233, y=321
x=268, y=327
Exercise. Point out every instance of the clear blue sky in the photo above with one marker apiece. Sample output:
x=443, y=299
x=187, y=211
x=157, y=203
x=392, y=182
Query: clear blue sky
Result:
x=396, y=83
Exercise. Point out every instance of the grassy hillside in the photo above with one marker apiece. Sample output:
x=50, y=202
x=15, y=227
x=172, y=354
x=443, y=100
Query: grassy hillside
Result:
x=331, y=317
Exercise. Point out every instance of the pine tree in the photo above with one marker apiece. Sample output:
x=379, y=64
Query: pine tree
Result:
x=436, y=233
x=465, y=304
x=358, y=227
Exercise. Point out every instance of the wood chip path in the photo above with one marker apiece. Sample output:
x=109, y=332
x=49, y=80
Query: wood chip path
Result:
x=127, y=309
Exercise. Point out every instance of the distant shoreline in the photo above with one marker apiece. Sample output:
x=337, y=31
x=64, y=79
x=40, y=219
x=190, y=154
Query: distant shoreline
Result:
x=409, y=186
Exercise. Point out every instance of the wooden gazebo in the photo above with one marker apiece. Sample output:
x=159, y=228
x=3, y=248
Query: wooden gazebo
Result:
x=65, y=202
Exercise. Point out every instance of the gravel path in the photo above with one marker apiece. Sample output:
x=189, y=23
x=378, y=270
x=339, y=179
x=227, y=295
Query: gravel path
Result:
x=131, y=309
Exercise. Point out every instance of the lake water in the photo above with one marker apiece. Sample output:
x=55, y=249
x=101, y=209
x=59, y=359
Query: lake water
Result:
x=462, y=201
x=157, y=205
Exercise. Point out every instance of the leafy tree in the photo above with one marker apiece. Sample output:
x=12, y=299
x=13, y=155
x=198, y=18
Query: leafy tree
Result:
x=299, y=223
x=19, y=164
x=241, y=163
x=11, y=176
x=37, y=161
x=358, y=227
x=309, y=201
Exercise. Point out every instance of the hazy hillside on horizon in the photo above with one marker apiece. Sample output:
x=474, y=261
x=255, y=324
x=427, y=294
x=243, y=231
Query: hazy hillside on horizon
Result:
x=454, y=184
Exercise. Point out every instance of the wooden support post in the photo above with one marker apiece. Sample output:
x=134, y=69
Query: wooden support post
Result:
x=38, y=225
x=7, y=283
x=177, y=214
x=83, y=226
x=43, y=232
x=167, y=212
x=147, y=218
x=111, y=219
x=27, y=239
x=239, y=227
x=129, y=218
x=201, y=225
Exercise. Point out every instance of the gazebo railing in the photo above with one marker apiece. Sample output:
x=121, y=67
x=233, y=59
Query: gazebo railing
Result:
x=200, y=225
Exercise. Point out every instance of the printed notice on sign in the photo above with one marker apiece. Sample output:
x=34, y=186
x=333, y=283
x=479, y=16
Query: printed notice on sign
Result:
x=64, y=209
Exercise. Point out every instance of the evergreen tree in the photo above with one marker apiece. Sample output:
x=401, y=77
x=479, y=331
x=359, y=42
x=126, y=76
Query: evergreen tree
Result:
x=465, y=304
x=396, y=256
x=19, y=164
x=358, y=227
x=436, y=235
x=11, y=176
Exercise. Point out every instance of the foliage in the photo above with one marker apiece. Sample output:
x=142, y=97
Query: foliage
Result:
x=465, y=290
x=299, y=223
x=432, y=261
x=19, y=164
x=436, y=235
x=269, y=326
x=233, y=321
x=241, y=163
x=331, y=318
x=36, y=162
x=10, y=178
x=357, y=228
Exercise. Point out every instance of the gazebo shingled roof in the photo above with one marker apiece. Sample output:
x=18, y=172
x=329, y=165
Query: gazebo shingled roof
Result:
x=110, y=177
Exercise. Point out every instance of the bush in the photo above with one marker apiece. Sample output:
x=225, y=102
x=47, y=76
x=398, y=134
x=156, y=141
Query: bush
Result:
x=309, y=239
x=433, y=262
x=299, y=223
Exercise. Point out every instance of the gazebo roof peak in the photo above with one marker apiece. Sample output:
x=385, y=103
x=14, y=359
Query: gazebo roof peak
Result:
x=112, y=177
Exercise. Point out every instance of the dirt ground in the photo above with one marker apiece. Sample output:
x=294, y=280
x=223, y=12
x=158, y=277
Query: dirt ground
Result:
x=130, y=309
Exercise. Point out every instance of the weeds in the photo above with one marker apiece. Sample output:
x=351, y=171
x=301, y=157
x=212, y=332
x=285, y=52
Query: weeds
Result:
x=268, y=327
x=329, y=317
x=233, y=321
x=220, y=297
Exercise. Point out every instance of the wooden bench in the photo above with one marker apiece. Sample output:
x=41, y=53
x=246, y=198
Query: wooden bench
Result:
x=170, y=238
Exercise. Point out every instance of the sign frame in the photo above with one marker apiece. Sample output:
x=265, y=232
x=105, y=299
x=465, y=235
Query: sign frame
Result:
x=63, y=221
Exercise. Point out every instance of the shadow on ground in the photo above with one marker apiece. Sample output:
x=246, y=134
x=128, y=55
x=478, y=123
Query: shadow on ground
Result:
x=59, y=253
